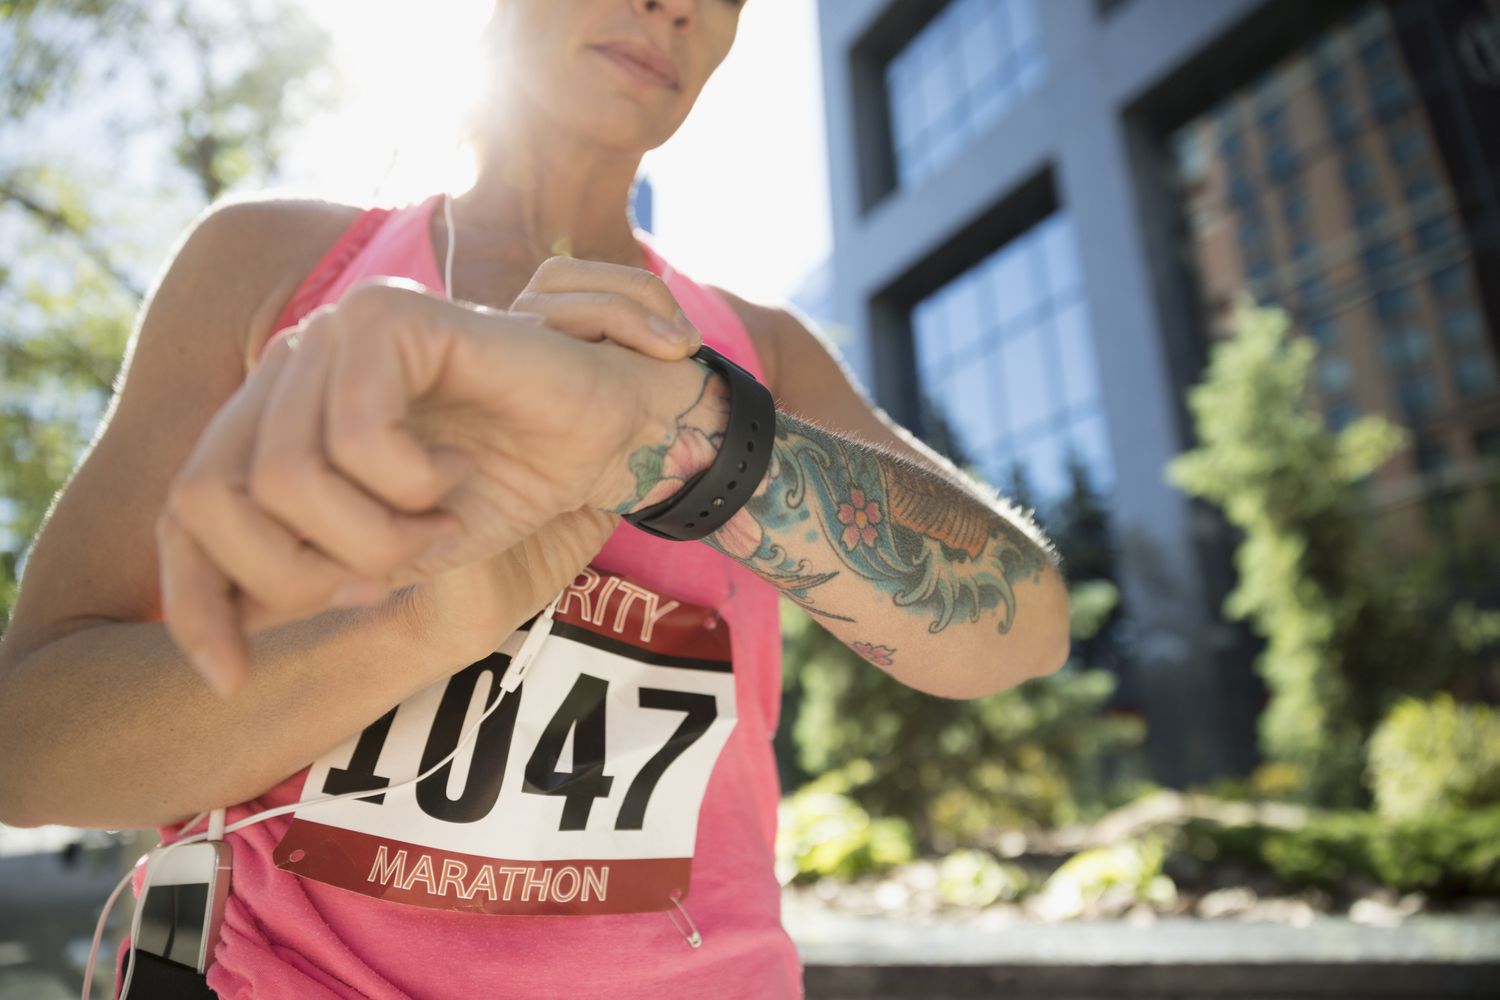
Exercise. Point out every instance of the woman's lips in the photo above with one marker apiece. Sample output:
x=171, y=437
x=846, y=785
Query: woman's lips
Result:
x=635, y=69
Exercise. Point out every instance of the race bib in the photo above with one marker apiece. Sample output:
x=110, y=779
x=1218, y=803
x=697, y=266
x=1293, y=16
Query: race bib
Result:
x=579, y=794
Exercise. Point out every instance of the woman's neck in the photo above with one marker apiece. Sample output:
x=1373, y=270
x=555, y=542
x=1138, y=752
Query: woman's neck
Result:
x=552, y=194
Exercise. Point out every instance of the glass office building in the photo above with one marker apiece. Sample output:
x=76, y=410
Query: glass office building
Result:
x=1044, y=211
x=1323, y=186
x=1005, y=364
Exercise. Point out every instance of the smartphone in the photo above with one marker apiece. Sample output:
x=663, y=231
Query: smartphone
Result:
x=183, y=906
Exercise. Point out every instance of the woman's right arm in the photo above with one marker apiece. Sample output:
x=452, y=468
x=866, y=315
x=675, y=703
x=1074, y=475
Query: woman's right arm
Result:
x=103, y=723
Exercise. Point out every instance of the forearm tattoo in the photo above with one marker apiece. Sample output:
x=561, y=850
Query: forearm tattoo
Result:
x=830, y=507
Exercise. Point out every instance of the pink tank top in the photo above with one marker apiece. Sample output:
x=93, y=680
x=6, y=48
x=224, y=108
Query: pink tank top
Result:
x=289, y=937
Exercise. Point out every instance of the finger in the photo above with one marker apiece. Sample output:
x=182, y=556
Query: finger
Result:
x=603, y=315
x=247, y=546
x=197, y=603
x=260, y=555
x=376, y=375
x=568, y=274
x=292, y=481
x=196, y=592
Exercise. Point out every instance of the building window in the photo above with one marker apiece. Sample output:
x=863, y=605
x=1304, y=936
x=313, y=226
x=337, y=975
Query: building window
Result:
x=1367, y=212
x=961, y=73
x=1333, y=375
x=1241, y=191
x=1389, y=97
x=1294, y=209
x=1227, y=118
x=1252, y=232
x=1420, y=189
x=1343, y=120
x=1281, y=164
x=1324, y=330
x=1434, y=233
x=1474, y=375
x=1382, y=255
x=1449, y=283
x=1376, y=54
x=1417, y=394
x=1258, y=270
x=1432, y=455
x=1007, y=367
x=1408, y=147
x=1232, y=144
x=1404, y=347
x=1341, y=415
x=1359, y=172
x=1394, y=303
x=1312, y=292
x=1461, y=327
x=1273, y=120
x=1332, y=80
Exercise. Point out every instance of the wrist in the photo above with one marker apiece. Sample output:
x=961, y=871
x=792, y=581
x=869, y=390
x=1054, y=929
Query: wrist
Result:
x=683, y=416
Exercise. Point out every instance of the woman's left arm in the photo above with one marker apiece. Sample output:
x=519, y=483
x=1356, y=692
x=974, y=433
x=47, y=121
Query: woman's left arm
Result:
x=942, y=583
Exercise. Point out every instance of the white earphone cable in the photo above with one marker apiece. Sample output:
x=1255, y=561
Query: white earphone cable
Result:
x=512, y=678
x=452, y=239
x=520, y=663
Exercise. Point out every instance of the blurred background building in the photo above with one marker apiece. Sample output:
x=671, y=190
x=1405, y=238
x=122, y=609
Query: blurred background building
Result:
x=1044, y=211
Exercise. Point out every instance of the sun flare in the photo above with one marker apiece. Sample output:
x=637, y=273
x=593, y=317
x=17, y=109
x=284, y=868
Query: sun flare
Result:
x=405, y=70
x=725, y=208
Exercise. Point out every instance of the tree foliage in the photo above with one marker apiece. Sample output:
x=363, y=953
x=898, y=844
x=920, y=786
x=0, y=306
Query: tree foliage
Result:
x=121, y=121
x=1347, y=631
x=1431, y=757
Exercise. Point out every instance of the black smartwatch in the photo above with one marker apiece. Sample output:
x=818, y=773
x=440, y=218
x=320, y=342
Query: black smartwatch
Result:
x=711, y=498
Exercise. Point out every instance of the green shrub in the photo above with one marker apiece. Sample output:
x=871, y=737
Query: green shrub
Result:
x=1430, y=756
x=1133, y=868
x=1443, y=854
x=1041, y=754
x=825, y=832
x=974, y=878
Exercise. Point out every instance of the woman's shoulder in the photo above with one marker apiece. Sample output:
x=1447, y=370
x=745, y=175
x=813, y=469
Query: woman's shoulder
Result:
x=256, y=250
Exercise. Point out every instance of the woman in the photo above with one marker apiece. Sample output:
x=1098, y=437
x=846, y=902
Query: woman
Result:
x=493, y=879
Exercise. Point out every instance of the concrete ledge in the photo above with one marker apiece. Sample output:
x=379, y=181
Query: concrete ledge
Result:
x=1419, y=981
x=858, y=958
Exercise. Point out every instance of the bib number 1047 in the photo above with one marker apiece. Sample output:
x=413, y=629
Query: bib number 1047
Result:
x=582, y=714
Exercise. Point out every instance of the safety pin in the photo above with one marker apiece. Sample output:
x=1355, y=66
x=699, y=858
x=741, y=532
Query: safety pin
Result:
x=695, y=939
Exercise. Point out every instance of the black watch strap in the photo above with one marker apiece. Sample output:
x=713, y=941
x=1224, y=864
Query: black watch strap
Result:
x=711, y=498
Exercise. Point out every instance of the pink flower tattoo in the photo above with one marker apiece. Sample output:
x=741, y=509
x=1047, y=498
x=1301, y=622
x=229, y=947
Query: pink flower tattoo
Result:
x=878, y=655
x=860, y=519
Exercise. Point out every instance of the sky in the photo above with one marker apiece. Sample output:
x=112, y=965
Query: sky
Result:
x=740, y=191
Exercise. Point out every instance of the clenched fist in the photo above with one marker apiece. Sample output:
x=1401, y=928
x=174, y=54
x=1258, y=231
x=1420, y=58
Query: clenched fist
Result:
x=394, y=437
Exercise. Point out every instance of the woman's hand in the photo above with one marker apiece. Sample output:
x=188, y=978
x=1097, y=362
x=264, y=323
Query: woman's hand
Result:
x=318, y=484
x=465, y=613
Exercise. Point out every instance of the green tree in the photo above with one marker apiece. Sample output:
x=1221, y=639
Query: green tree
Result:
x=1079, y=525
x=196, y=96
x=959, y=771
x=1347, y=631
